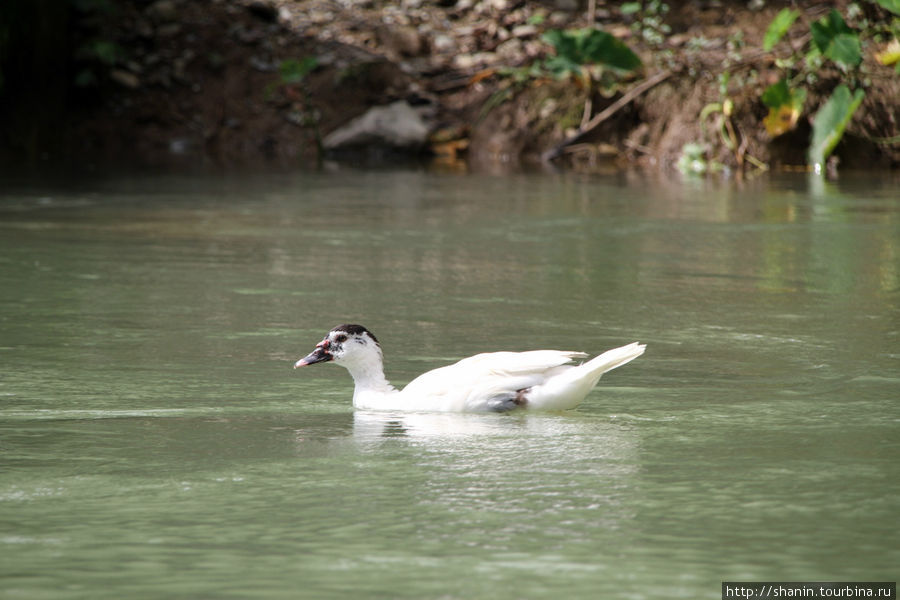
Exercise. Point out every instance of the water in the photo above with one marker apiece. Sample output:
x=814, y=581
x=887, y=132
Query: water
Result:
x=155, y=442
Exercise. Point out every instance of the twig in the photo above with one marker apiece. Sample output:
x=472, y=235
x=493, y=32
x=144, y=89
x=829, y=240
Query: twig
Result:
x=588, y=109
x=609, y=111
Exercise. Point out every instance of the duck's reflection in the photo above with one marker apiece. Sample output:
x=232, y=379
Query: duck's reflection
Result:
x=470, y=467
x=372, y=425
x=534, y=437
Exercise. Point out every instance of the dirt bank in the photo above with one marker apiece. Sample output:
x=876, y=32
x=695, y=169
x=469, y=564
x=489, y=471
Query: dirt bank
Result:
x=266, y=81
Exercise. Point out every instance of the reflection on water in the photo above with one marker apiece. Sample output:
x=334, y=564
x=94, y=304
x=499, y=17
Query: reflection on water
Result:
x=155, y=442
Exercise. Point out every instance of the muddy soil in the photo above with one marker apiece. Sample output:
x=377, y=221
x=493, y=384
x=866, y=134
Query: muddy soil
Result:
x=225, y=83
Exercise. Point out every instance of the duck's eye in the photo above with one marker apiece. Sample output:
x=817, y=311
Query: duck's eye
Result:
x=340, y=338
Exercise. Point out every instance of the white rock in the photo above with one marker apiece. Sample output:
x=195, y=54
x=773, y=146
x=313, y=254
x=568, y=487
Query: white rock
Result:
x=521, y=31
x=397, y=125
x=443, y=43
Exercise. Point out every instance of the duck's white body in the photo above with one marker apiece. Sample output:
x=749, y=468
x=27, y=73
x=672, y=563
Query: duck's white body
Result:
x=495, y=381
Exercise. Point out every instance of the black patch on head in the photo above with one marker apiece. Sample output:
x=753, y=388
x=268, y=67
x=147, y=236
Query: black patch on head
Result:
x=355, y=330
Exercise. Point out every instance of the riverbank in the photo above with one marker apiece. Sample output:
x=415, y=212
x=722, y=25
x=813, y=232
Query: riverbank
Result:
x=278, y=81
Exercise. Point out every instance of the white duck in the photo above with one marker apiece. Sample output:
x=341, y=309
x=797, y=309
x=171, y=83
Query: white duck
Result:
x=495, y=381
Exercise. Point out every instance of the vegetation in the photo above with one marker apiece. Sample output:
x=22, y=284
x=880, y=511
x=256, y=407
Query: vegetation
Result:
x=587, y=55
x=834, y=40
x=586, y=52
x=294, y=84
x=831, y=46
x=98, y=74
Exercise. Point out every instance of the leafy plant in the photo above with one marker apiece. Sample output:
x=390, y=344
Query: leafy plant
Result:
x=835, y=40
x=97, y=56
x=294, y=71
x=693, y=160
x=785, y=105
x=295, y=87
x=723, y=111
x=831, y=39
x=890, y=5
x=779, y=26
x=829, y=123
x=649, y=20
x=578, y=48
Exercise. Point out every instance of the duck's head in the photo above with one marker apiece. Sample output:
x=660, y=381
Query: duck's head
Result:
x=346, y=345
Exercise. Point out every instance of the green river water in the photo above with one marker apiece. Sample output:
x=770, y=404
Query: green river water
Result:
x=156, y=443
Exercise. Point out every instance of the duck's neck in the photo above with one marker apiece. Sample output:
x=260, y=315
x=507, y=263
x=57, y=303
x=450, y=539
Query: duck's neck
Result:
x=368, y=376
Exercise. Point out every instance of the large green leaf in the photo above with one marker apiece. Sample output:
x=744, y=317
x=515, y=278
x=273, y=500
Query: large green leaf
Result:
x=845, y=50
x=779, y=26
x=826, y=28
x=603, y=48
x=578, y=47
x=891, y=5
x=830, y=122
x=836, y=40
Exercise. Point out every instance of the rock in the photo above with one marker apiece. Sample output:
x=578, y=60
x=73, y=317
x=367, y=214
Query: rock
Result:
x=465, y=62
x=168, y=30
x=567, y=5
x=443, y=44
x=511, y=50
x=144, y=29
x=125, y=79
x=320, y=17
x=262, y=65
x=522, y=31
x=162, y=11
x=395, y=125
x=402, y=40
x=180, y=146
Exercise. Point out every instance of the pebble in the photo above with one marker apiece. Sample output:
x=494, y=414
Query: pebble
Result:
x=168, y=30
x=443, y=44
x=521, y=31
x=162, y=11
x=510, y=50
x=125, y=79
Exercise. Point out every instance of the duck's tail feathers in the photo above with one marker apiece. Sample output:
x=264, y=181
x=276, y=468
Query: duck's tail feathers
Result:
x=612, y=359
x=570, y=385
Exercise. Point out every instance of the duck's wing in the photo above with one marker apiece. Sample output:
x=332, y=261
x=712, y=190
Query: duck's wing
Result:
x=489, y=381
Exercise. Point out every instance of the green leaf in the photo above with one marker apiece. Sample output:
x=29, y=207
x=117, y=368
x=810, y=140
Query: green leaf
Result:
x=294, y=71
x=106, y=52
x=779, y=26
x=85, y=78
x=785, y=105
x=575, y=48
x=891, y=5
x=826, y=28
x=845, y=50
x=834, y=39
x=776, y=94
x=830, y=122
x=556, y=38
x=603, y=48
